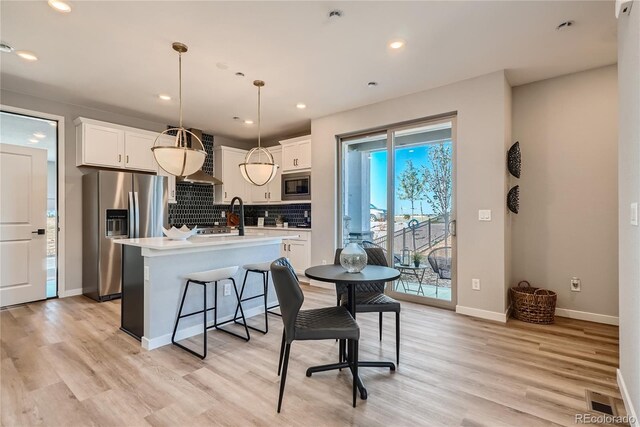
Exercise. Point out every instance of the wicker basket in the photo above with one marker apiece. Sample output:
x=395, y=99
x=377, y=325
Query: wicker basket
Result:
x=533, y=305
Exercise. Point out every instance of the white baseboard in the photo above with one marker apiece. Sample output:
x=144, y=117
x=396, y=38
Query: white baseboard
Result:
x=150, y=344
x=71, y=293
x=628, y=404
x=585, y=315
x=482, y=314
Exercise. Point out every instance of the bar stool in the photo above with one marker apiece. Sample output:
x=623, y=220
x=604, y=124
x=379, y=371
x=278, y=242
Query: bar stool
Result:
x=263, y=269
x=204, y=278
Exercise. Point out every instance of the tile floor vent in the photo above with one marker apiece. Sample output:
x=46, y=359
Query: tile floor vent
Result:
x=601, y=403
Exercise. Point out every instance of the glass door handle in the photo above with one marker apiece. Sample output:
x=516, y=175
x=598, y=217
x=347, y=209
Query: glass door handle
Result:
x=452, y=228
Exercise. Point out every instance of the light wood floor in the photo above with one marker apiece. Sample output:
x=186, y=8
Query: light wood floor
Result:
x=65, y=363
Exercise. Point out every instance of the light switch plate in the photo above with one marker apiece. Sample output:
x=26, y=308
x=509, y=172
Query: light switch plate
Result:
x=484, y=215
x=634, y=214
x=475, y=284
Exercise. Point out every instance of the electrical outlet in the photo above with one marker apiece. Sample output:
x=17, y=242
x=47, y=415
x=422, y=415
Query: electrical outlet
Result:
x=227, y=289
x=224, y=214
x=484, y=215
x=634, y=214
x=575, y=284
x=146, y=272
x=266, y=214
x=475, y=284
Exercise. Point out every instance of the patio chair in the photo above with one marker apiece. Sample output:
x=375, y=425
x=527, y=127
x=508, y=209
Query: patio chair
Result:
x=440, y=262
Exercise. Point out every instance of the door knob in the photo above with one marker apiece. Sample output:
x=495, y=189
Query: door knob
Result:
x=39, y=231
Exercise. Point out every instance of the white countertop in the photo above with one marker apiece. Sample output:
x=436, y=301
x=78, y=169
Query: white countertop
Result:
x=153, y=244
x=271, y=227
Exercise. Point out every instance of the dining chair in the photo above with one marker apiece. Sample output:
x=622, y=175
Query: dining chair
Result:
x=314, y=324
x=370, y=297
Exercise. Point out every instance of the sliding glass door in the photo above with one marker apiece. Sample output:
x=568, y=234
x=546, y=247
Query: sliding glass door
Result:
x=397, y=191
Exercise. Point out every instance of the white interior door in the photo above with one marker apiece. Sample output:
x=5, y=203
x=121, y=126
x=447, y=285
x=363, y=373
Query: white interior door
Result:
x=23, y=212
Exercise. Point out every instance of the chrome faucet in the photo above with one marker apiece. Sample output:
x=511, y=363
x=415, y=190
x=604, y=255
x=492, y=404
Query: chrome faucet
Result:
x=241, y=225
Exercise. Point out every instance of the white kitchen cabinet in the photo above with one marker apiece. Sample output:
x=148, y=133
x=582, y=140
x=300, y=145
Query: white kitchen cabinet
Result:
x=271, y=192
x=296, y=154
x=298, y=252
x=137, y=151
x=109, y=145
x=227, y=161
x=99, y=145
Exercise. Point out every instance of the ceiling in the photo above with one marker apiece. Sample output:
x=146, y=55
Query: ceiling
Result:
x=117, y=56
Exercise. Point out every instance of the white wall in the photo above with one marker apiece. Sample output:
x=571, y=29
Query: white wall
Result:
x=629, y=192
x=483, y=106
x=567, y=226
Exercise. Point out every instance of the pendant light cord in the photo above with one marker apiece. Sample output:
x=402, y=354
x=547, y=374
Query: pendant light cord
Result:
x=259, y=118
x=180, y=84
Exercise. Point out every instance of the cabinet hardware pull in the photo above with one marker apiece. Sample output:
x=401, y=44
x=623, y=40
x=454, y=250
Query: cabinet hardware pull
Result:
x=269, y=194
x=119, y=158
x=265, y=195
x=127, y=157
x=225, y=194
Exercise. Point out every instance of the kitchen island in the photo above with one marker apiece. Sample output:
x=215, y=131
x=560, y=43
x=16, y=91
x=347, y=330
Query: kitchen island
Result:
x=153, y=272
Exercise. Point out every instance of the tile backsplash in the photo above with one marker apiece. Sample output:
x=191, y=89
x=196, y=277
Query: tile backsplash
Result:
x=195, y=203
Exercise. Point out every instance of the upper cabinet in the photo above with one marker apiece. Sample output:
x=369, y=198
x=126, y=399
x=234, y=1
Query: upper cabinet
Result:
x=227, y=161
x=108, y=145
x=296, y=154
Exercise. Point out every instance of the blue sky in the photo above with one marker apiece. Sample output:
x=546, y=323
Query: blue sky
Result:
x=419, y=156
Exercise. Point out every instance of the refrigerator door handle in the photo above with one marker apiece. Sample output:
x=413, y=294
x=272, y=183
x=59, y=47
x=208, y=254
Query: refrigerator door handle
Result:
x=136, y=217
x=131, y=212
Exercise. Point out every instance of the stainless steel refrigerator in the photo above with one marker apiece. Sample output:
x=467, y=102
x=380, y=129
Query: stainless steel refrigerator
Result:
x=116, y=205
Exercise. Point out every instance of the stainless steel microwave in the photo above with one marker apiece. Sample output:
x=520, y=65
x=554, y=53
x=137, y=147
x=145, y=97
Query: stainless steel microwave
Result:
x=296, y=186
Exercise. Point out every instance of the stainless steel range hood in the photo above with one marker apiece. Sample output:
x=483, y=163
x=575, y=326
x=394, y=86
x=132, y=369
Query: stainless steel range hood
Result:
x=200, y=177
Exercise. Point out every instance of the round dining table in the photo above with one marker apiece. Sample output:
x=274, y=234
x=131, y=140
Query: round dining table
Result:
x=333, y=273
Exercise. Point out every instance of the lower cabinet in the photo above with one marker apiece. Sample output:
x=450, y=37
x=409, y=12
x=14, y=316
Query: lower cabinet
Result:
x=298, y=250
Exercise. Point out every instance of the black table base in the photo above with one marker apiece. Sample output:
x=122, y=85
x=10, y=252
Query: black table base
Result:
x=361, y=387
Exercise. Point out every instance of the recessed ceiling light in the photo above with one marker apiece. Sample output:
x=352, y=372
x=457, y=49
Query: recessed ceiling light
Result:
x=5, y=48
x=29, y=56
x=372, y=84
x=60, y=6
x=33, y=141
x=301, y=106
x=39, y=135
x=248, y=122
x=236, y=118
x=222, y=66
x=240, y=74
x=564, y=25
x=164, y=97
x=396, y=44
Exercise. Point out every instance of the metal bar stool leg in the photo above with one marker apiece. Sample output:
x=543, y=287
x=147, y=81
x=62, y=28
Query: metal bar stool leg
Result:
x=266, y=311
x=244, y=282
x=175, y=328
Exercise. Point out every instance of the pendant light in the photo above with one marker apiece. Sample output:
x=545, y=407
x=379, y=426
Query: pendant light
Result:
x=258, y=168
x=181, y=158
